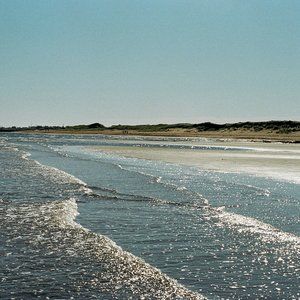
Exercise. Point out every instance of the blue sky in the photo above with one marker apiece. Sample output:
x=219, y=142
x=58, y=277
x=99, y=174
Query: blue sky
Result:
x=133, y=62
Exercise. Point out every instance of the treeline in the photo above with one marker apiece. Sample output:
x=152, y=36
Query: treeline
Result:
x=274, y=126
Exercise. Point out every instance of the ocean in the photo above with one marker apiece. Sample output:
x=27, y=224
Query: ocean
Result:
x=124, y=217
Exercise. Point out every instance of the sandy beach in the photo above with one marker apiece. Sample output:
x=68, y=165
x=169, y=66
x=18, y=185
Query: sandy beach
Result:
x=274, y=160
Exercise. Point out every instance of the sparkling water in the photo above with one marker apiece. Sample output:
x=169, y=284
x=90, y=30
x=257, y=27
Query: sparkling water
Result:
x=90, y=216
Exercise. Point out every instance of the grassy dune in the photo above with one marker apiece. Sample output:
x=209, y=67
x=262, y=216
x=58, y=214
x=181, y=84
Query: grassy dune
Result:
x=285, y=131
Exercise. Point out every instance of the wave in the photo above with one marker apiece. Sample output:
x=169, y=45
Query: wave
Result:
x=51, y=229
x=242, y=224
x=172, y=186
x=149, y=200
x=57, y=172
x=247, y=225
x=152, y=178
x=231, y=219
x=236, y=222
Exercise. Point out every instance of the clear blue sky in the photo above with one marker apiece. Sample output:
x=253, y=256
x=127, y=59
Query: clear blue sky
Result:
x=133, y=62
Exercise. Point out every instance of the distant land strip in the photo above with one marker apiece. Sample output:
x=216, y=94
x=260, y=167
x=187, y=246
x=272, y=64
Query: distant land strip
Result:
x=267, y=131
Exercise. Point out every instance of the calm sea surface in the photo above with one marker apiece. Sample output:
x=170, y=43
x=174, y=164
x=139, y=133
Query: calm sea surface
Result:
x=100, y=217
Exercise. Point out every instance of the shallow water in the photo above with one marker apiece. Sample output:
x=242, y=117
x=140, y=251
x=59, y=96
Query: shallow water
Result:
x=89, y=217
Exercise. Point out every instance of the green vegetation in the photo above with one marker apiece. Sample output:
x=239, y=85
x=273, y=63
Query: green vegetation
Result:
x=51, y=128
x=85, y=127
x=280, y=127
x=276, y=126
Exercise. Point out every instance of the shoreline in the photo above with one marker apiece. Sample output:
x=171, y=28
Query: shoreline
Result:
x=277, y=161
x=260, y=136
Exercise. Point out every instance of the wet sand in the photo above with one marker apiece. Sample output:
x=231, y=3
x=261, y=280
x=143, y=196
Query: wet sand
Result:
x=278, y=161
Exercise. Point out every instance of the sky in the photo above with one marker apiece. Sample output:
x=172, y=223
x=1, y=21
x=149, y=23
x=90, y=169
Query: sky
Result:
x=147, y=62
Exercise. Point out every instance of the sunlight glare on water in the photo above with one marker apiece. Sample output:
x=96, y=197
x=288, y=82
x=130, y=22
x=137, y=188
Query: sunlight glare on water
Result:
x=89, y=216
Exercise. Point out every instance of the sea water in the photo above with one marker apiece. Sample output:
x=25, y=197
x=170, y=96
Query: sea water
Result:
x=104, y=217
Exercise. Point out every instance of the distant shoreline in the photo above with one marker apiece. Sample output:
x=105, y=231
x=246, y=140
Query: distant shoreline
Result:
x=269, y=131
x=244, y=135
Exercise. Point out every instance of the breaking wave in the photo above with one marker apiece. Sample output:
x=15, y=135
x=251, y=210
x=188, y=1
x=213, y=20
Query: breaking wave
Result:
x=103, y=265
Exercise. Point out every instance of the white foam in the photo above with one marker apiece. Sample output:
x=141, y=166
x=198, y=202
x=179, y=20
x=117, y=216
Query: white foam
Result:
x=25, y=155
x=66, y=217
x=69, y=177
x=55, y=171
x=266, y=232
x=66, y=235
x=67, y=213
